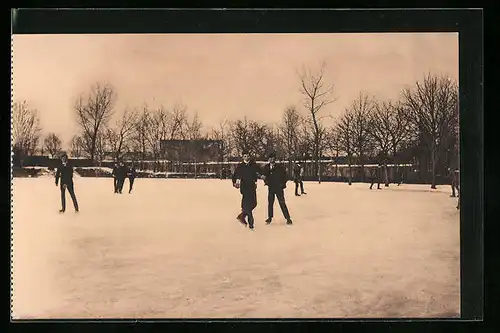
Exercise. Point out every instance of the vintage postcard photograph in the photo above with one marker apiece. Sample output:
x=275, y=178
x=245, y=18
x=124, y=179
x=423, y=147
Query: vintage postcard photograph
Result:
x=235, y=176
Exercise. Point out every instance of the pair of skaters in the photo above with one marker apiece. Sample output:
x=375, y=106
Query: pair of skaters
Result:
x=377, y=175
x=120, y=173
x=64, y=179
x=245, y=178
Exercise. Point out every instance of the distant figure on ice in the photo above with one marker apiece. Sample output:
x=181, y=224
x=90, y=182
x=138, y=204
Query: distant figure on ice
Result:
x=298, y=176
x=64, y=173
x=121, y=175
x=453, y=175
x=115, y=177
x=376, y=175
x=400, y=173
x=245, y=178
x=131, y=174
x=275, y=179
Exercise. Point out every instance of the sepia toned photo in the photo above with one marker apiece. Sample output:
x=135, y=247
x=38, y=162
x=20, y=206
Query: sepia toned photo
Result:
x=235, y=176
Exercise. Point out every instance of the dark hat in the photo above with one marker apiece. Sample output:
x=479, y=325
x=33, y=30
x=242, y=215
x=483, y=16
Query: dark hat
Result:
x=245, y=152
x=272, y=155
x=64, y=154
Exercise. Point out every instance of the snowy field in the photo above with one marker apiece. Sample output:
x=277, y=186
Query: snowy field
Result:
x=173, y=249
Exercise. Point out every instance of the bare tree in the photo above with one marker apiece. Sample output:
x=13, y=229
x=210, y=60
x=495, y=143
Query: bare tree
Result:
x=361, y=110
x=433, y=105
x=101, y=147
x=120, y=137
x=221, y=133
x=401, y=129
x=193, y=128
x=346, y=137
x=141, y=132
x=93, y=112
x=249, y=136
x=76, y=145
x=25, y=130
x=289, y=132
x=333, y=145
x=52, y=143
x=158, y=130
x=316, y=96
x=380, y=128
x=177, y=122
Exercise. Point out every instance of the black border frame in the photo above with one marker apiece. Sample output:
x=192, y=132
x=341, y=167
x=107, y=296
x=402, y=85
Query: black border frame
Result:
x=467, y=22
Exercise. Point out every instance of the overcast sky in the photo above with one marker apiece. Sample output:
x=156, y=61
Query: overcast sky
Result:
x=219, y=76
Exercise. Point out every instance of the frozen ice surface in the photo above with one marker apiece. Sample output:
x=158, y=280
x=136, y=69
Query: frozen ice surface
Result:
x=173, y=249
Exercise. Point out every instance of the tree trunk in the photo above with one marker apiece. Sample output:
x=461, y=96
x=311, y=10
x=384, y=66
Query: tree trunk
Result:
x=386, y=175
x=350, y=169
x=433, y=162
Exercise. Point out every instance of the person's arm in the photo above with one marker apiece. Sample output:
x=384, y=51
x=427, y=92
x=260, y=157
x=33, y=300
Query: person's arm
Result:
x=236, y=174
x=58, y=175
x=262, y=172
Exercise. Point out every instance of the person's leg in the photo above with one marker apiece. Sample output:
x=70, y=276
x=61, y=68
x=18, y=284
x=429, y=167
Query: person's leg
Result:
x=241, y=216
x=71, y=191
x=131, y=184
x=297, y=188
x=115, y=184
x=281, y=200
x=63, y=198
x=121, y=182
x=302, y=187
x=250, y=219
x=373, y=182
x=270, y=204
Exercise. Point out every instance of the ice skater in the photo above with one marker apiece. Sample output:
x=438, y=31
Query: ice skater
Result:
x=245, y=178
x=376, y=175
x=400, y=173
x=453, y=175
x=298, y=175
x=275, y=178
x=131, y=174
x=64, y=174
x=115, y=177
x=121, y=174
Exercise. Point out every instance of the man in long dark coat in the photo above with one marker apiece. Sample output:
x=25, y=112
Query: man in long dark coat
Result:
x=245, y=178
x=275, y=178
x=64, y=176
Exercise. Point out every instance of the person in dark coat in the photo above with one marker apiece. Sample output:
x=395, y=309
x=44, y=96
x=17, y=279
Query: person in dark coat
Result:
x=275, y=179
x=245, y=178
x=376, y=176
x=115, y=177
x=298, y=175
x=453, y=176
x=64, y=178
x=400, y=173
x=131, y=174
x=121, y=175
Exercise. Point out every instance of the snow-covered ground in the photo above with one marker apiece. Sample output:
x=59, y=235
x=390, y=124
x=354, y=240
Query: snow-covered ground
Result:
x=173, y=249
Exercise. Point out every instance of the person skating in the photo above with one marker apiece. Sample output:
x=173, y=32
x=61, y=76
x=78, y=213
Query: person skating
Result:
x=121, y=175
x=64, y=177
x=115, y=177
x=453, y=176
x=245, y=178
x=275, y=179
x=376, y=175
x=131, y=174
x=400, y=172
x=298, y=174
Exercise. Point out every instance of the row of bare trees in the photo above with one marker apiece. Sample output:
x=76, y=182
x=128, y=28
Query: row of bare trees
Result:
x=27, y=134
x=424, y=118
